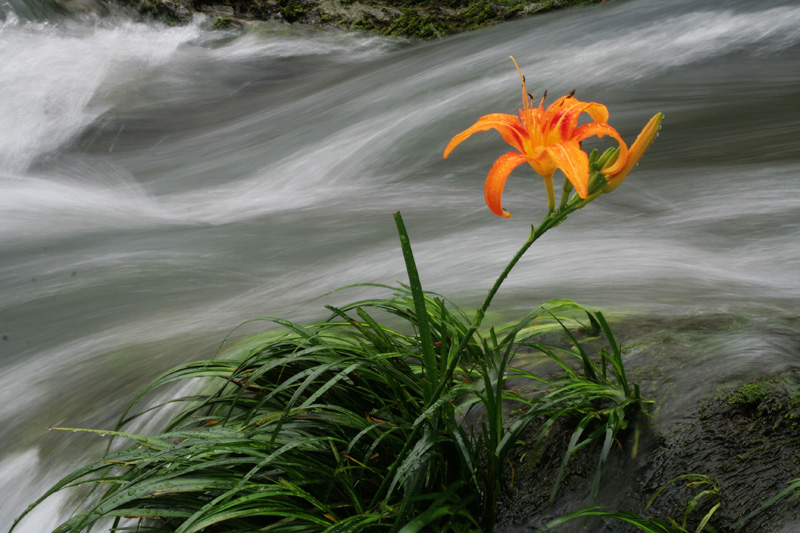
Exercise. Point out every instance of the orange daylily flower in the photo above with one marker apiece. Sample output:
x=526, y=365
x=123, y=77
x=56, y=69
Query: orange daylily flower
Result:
x=547, y=139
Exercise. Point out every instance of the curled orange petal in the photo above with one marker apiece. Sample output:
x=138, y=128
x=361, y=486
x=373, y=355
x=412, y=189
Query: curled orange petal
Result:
x=508, y=126
x=595, y=128
x=496, y=181
x=598, y=112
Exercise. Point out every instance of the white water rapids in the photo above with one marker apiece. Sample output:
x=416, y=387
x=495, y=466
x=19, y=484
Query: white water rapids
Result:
x=159, y=186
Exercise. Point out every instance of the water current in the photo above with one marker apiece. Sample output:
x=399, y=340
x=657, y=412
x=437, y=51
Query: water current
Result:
x=159, y=186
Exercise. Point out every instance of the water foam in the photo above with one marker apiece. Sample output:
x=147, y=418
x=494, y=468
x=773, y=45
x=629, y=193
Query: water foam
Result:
x=55, y=77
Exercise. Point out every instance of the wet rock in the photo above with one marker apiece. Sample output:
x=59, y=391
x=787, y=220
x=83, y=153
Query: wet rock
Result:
x=743, y=446
x=409, y=18
x=220, y=10
x=748, y=440
x=170, y=12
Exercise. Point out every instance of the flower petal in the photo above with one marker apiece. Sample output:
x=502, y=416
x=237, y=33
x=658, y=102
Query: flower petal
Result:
x=555, y=122
x=574, y=163
x=508, y=126
x=637, y=150
x=496, y=181
x=598, y=112
x=542, y=163
x=595, y=128
x=564, y=114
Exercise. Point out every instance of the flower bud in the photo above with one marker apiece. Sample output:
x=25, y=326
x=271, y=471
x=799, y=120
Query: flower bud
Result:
x=636, y=151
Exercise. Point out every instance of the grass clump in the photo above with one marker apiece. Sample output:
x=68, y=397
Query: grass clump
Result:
x=350, y=424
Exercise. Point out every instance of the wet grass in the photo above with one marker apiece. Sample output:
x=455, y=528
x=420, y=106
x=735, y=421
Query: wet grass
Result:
x=350, y=424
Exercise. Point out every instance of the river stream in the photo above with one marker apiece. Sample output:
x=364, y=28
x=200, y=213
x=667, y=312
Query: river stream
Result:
x=159, y=186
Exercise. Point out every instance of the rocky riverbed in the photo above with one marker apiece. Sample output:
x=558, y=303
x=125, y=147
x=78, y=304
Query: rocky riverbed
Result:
x=424, y=19
x=734, y=454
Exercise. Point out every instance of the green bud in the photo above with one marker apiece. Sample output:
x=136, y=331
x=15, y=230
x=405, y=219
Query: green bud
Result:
x=596, y=182
x=568, y=188
x=593, y=157
x=608, y=158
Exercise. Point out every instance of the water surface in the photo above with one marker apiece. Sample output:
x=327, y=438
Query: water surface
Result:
x=162, y=185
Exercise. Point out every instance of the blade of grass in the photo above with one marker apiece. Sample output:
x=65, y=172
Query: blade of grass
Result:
x=425, y=338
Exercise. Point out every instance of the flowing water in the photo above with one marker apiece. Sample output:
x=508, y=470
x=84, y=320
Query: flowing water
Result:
x=159, y=186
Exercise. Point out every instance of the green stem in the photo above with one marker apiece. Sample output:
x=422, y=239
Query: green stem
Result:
x=566, y=191
x=551, y=196
x=552, y=219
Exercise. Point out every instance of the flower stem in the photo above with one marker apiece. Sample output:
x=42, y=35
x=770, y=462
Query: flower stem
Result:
x=552, y=219
x=551, y=196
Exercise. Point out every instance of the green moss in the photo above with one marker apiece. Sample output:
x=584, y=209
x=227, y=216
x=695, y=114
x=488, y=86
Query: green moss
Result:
x=416, y=24
x=362, y=25
x=291, y=12
x=793, y=409
x=478, y=14
x=222, y=23
x=794, y=400
x=771, y=403
x=428, y=19
x=750, y=394
x=425, y=19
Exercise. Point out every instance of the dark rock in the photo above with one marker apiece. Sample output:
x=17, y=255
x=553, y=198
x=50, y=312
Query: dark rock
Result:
x=743, y=446
x=409, y=18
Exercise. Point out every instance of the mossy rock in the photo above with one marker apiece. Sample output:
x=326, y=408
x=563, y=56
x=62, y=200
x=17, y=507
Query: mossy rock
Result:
x=745, y=437
x=423, y=19
x=414, y=23
x=162, y=11
x=748, y=440
x=222, y=23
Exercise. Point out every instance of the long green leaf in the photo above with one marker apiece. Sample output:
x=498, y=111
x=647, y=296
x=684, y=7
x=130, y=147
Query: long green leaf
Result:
x=425, y=338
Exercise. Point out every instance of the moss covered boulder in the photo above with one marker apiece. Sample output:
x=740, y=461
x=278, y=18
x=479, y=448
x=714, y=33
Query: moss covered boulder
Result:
x=424, y=19
x=735, y=459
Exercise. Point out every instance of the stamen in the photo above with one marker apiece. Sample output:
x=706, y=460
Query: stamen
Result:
x=570, y=95
x=544, y=97
x=525, y=104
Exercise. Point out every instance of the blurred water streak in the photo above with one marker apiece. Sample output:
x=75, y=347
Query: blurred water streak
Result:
x=162, y=185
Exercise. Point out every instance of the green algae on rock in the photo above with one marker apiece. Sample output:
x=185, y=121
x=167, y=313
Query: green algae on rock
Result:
x=423, y=19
